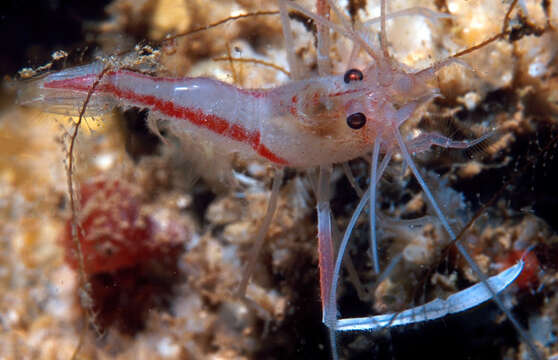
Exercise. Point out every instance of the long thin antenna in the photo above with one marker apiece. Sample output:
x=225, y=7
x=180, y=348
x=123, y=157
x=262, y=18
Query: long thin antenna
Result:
x=73, y=207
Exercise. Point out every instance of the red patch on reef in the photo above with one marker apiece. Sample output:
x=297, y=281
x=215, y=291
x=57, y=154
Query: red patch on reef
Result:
x=112, y=232
x=130, y=258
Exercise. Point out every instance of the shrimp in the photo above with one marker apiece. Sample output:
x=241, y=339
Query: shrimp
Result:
x=300, y=128
x=305, y=123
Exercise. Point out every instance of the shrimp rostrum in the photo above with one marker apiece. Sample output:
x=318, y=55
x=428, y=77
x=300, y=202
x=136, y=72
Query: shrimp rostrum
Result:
x=311, y=121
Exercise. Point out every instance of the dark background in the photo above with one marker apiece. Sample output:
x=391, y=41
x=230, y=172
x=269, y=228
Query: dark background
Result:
x=32, y=30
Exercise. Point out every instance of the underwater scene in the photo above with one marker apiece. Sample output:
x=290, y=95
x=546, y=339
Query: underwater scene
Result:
x=308, y=179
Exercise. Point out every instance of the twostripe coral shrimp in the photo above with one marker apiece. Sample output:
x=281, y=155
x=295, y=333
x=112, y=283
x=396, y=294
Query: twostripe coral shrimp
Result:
x=308, y=122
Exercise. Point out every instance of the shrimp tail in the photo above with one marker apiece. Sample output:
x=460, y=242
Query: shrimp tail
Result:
x=64, y=92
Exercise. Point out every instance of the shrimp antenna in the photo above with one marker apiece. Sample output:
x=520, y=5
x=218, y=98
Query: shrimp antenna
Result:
x=86, y=297
x=217, y=23
x=383, y=32
x=453, y=58
x=254, y=61
x=347, y=32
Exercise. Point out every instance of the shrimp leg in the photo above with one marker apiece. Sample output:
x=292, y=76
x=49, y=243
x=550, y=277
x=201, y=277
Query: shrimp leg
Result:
x=325, y=238
x=348, y=231
x=462, y=250
x=325, y=255
x=260, y=235
x=373, y=183
x=423, y=142
x=325, y=234
x=272, y=205
x=438, y=308
x=294, y=68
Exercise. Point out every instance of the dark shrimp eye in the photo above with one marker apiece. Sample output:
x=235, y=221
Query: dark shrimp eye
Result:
x=352, y=75
x=356, y=120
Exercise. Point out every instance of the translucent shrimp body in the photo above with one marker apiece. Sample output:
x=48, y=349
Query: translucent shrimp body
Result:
x=300, y=124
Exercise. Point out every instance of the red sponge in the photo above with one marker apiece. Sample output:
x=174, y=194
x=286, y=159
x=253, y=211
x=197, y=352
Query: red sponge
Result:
x=112, y=231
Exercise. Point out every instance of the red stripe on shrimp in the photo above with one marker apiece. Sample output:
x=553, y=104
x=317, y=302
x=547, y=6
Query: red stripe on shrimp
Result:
x=197, y=117
x=341, y=93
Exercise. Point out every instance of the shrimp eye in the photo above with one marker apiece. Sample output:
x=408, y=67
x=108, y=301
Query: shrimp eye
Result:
x=356, y=120
x=353, y=75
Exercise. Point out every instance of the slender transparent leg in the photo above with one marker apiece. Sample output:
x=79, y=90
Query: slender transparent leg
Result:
x=476, y=269
x=373, y=183
x=423, y=142
x=260, y=235
x=345, y=241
